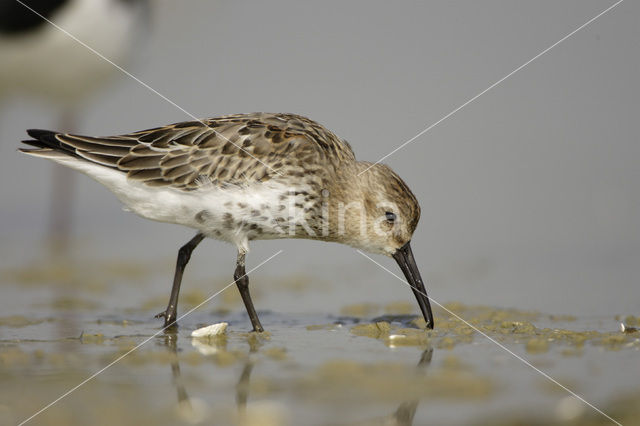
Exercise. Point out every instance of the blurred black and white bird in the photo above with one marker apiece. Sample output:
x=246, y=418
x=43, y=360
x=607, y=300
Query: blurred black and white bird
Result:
x=42, y=61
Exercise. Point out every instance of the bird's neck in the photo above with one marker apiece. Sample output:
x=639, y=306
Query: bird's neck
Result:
x=346, y=205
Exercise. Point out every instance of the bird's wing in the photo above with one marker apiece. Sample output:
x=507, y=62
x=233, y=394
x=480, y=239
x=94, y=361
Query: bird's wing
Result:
x=231, y=150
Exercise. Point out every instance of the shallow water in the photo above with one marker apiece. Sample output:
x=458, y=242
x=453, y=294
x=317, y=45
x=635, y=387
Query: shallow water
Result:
x=369, y=363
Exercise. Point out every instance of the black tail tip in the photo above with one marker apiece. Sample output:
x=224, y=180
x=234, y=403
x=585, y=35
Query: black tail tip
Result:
x=35, y=143
x=42, y=135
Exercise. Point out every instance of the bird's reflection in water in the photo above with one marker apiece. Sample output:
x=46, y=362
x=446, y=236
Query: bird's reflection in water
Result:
x=242, y=388
x=405, y=412
x=402, y=416
x=187, y=408
x=171, y=342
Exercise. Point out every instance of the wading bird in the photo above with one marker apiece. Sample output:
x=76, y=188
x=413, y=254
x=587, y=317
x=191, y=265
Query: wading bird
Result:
x=42, y=61
x=248, y=177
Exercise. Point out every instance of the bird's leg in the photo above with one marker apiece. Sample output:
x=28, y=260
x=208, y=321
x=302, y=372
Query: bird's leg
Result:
x=242, y=281
x=184, y=254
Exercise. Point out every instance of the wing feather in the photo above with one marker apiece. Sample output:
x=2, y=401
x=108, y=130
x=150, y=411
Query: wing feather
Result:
x=236, y=149
x=105, y=160
x=133, y=162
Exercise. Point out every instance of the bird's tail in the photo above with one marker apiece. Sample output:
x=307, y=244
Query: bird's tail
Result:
x=46, y=145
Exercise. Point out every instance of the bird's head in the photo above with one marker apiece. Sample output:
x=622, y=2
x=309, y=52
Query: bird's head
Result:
x=390, y=210
x=379, y=214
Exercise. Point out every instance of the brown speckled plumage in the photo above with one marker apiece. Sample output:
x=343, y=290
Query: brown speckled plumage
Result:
x=246, y=177
x=245, y=150
x=237, y=149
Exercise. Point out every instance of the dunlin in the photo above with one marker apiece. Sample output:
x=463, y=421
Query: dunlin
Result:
x=248, y=177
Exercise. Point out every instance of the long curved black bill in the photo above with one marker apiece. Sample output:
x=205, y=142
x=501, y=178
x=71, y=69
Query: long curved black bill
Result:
x=404, y=257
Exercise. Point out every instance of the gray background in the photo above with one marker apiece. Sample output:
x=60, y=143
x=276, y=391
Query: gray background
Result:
x=530, y=195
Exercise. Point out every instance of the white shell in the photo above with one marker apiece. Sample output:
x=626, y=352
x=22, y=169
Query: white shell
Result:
x=211, y=330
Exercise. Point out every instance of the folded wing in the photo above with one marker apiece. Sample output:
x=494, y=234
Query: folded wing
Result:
x=232, y=150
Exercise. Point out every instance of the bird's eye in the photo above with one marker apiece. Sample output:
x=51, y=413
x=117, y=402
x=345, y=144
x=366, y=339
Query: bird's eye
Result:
x=391, y=217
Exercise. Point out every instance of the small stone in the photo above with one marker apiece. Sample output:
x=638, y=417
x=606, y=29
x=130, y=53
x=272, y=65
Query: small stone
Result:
x=626, y=329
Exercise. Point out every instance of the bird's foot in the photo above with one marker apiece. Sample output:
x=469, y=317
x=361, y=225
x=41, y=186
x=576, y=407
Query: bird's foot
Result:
x=169, y=318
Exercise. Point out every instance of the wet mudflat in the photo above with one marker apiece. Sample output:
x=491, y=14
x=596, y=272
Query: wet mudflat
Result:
x=370, y=363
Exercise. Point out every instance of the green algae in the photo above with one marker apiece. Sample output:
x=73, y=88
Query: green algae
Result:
x=624, y=408
x=375, y=330
x=407, y=337
x=70, y=303
x=17, y=321
x=88, y=275
x=276, y=353
x=359, y=380
x=462, y=324
x=537, y=346
x=97, y=338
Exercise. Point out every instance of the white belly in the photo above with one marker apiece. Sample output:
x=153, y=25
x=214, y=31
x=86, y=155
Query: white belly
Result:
x=236, y=214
